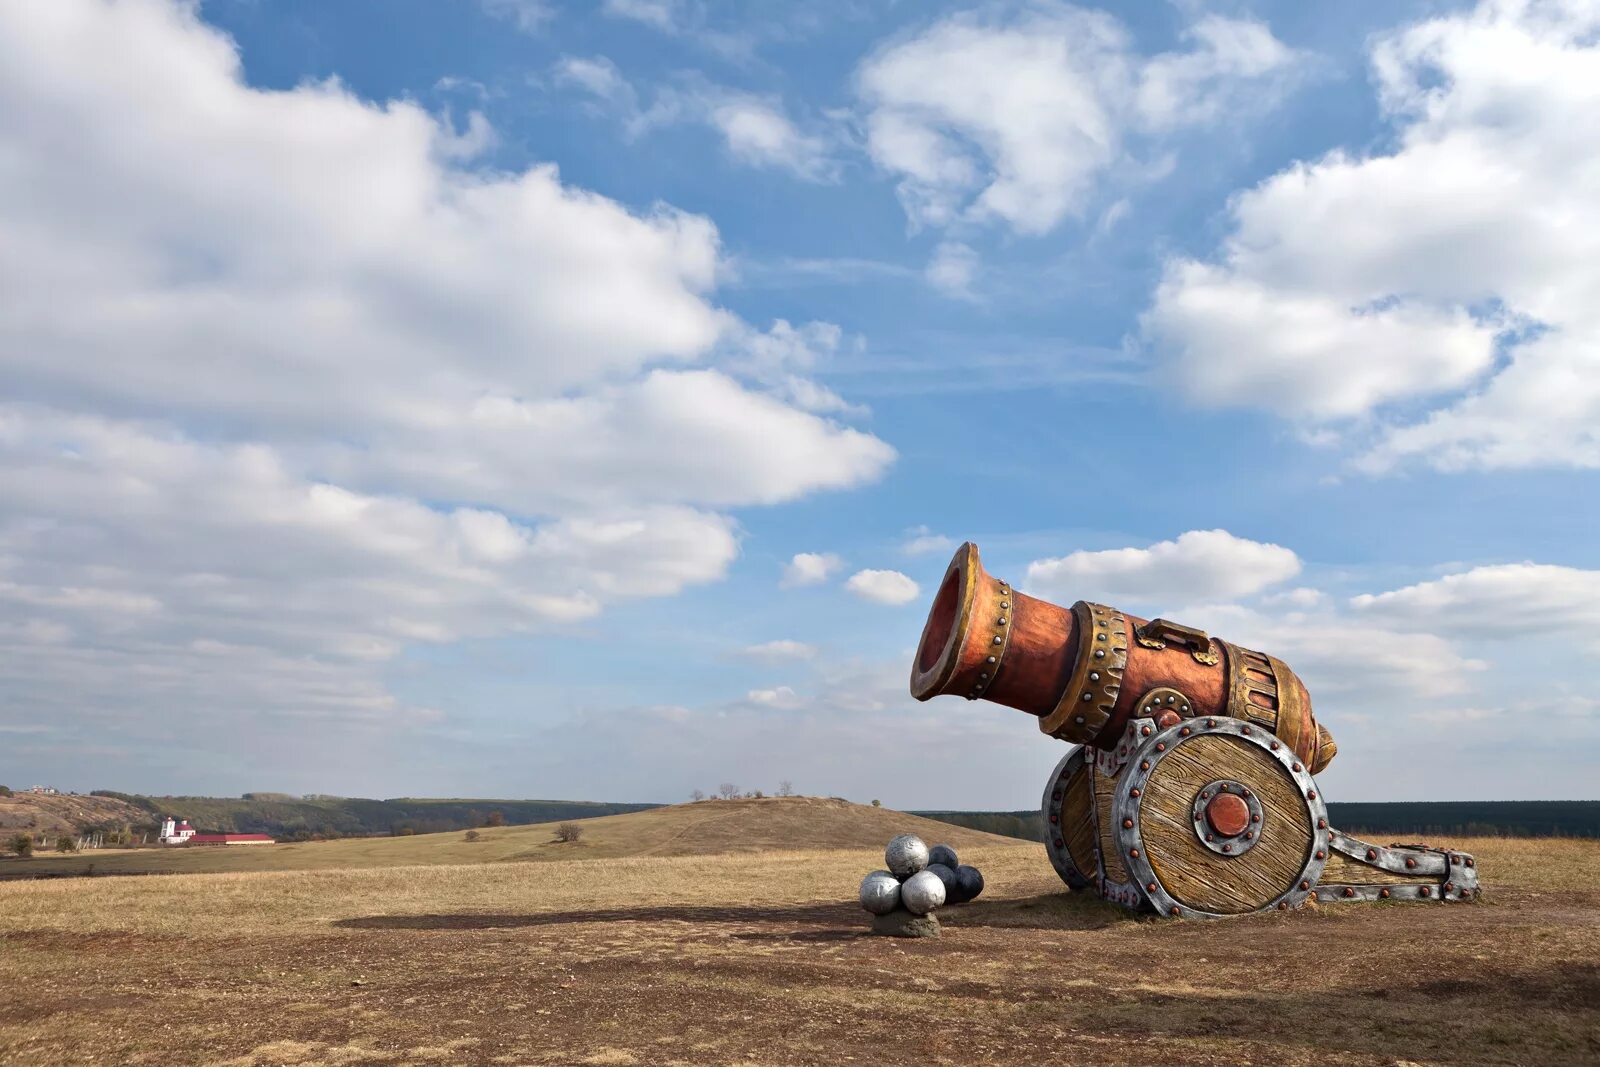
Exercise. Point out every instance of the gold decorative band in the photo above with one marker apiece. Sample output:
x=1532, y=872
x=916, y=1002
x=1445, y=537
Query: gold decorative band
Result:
x=996, y=639
x=1087, y=702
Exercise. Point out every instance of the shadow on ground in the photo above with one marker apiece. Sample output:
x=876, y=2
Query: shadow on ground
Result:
x=1052, y=912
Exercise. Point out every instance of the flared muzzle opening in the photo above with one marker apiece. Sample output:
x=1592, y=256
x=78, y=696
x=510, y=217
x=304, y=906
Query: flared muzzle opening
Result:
x=939, y=651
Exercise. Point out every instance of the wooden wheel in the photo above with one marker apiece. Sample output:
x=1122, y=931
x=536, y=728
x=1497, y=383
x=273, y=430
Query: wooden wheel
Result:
x=1216, y=817
x=1069, y=820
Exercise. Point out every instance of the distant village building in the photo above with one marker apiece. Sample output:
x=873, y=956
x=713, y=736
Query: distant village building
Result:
x=46, y=790
x=181, y=833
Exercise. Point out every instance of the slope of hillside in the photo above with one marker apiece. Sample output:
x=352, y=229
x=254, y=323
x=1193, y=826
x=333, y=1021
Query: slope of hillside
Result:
x=724, y=826
x=283, y=815
x=52, y=814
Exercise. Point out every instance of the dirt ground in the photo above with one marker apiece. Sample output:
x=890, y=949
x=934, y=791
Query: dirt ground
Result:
x=764, y=960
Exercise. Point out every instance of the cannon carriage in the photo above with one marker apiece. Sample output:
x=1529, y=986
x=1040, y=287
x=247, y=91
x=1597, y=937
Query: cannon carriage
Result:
x=1189, y=789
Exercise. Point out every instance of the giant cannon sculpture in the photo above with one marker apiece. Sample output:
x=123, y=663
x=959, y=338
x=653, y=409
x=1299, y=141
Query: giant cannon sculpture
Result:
x=1189, y=788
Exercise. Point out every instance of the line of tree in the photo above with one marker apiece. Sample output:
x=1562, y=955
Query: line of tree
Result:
x=1395, y=819
x=730, y=791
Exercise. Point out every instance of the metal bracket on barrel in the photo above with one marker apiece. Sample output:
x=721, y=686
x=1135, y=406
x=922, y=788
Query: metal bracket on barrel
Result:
x=1157, y=632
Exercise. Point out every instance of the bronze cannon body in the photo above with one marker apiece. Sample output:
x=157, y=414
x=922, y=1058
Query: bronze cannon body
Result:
x=1189, y=788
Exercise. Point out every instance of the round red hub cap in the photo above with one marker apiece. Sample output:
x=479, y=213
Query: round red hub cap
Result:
x=1228, y=815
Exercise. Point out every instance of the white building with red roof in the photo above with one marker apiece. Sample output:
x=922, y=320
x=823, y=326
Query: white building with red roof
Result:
x=181, y=833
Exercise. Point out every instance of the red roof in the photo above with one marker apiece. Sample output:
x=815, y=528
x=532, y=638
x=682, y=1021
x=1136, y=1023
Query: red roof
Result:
x=184, y=825
x=223, y=839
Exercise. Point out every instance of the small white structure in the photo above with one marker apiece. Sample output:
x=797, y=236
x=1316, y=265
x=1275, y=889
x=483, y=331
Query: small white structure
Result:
x=175, y=833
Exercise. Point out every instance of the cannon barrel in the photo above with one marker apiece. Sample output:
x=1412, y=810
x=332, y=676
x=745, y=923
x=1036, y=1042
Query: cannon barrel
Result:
x=1085, y=671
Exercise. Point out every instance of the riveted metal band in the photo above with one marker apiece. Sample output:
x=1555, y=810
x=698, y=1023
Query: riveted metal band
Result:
x=996, y=639
x=1250, y=672
x=1161, y=699
x=1130, y=832
x=1055, y=833
x=1442, y=874
x=1228, y=845
x=1087, y=702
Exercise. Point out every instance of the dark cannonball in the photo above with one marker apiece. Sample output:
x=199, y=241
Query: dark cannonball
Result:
x=969, y=883
x=943, y=854
x=947, y=875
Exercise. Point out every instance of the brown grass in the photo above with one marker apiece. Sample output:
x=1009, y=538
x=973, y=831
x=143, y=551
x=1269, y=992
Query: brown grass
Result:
x=762, y=959
x=707, y=828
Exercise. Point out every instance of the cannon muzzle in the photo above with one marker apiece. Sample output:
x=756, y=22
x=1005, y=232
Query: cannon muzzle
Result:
x=1085, y=671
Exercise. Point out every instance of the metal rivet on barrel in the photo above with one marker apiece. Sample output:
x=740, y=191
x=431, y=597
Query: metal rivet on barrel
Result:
x=1311, y=794
x=1144, y=765
x=1151, y=887
x=1227, y=848
x=1185, y=732
x=997, y=639
x=1005, y=604
x=1424, y=892
x=1144, y=731
x=1321, y=855
x=1127, y=824
x=1161, y=746
x=1250, y=835
x=1211, y=724
x=1372, y=853
x=1322, y=824
x=1384, y=893
x=1469, y=861
x=1055, y=818
x=1297, y=768
x=1455, y=861
x=1410, y=862
x=1274, y=746
x=1245, y=731
x=1305, y=885
x=1255, y=818
x=1283, y=905
x=1349, y=892
x=1174, y=910
x=1133, y=793
x=1001, y=620
x=1449, y=887
x=1134, y=853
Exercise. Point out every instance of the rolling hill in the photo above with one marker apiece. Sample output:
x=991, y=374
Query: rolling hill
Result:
x=704, y=828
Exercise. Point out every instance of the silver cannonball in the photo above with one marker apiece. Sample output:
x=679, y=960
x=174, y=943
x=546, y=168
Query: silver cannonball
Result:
x=969, y=883
x=922, y=893
x=880, y=892
x=943, y=854
x=947, y=875
x=906, y=855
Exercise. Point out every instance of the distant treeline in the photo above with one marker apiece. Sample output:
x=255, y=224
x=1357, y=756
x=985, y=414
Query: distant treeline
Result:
x=1511, y=818
x=286, y=816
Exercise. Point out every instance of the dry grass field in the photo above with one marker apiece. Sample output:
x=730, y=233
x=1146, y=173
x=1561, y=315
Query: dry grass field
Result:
x=707, y=828
x=762, y=958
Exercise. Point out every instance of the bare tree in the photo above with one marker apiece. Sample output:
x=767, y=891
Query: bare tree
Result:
x=698, y=795
x=569, y=831
x=786, y=788
x=727, y=790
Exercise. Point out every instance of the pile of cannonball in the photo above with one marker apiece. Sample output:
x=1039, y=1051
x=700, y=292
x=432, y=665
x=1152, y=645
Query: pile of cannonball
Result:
x=919, y=879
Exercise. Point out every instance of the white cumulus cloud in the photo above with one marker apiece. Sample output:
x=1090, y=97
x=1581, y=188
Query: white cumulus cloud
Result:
x=779, y=651
x=1199, y=565
x=882, y=587
x=1013, y=113
x=290, y=385
x=810, y=568
x=1454, y=272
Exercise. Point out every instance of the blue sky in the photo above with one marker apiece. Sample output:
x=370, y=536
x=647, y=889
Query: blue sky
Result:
x=434, y=399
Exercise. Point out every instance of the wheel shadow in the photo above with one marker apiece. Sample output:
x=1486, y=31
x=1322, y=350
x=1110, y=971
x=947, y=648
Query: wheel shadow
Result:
x=811, y=914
